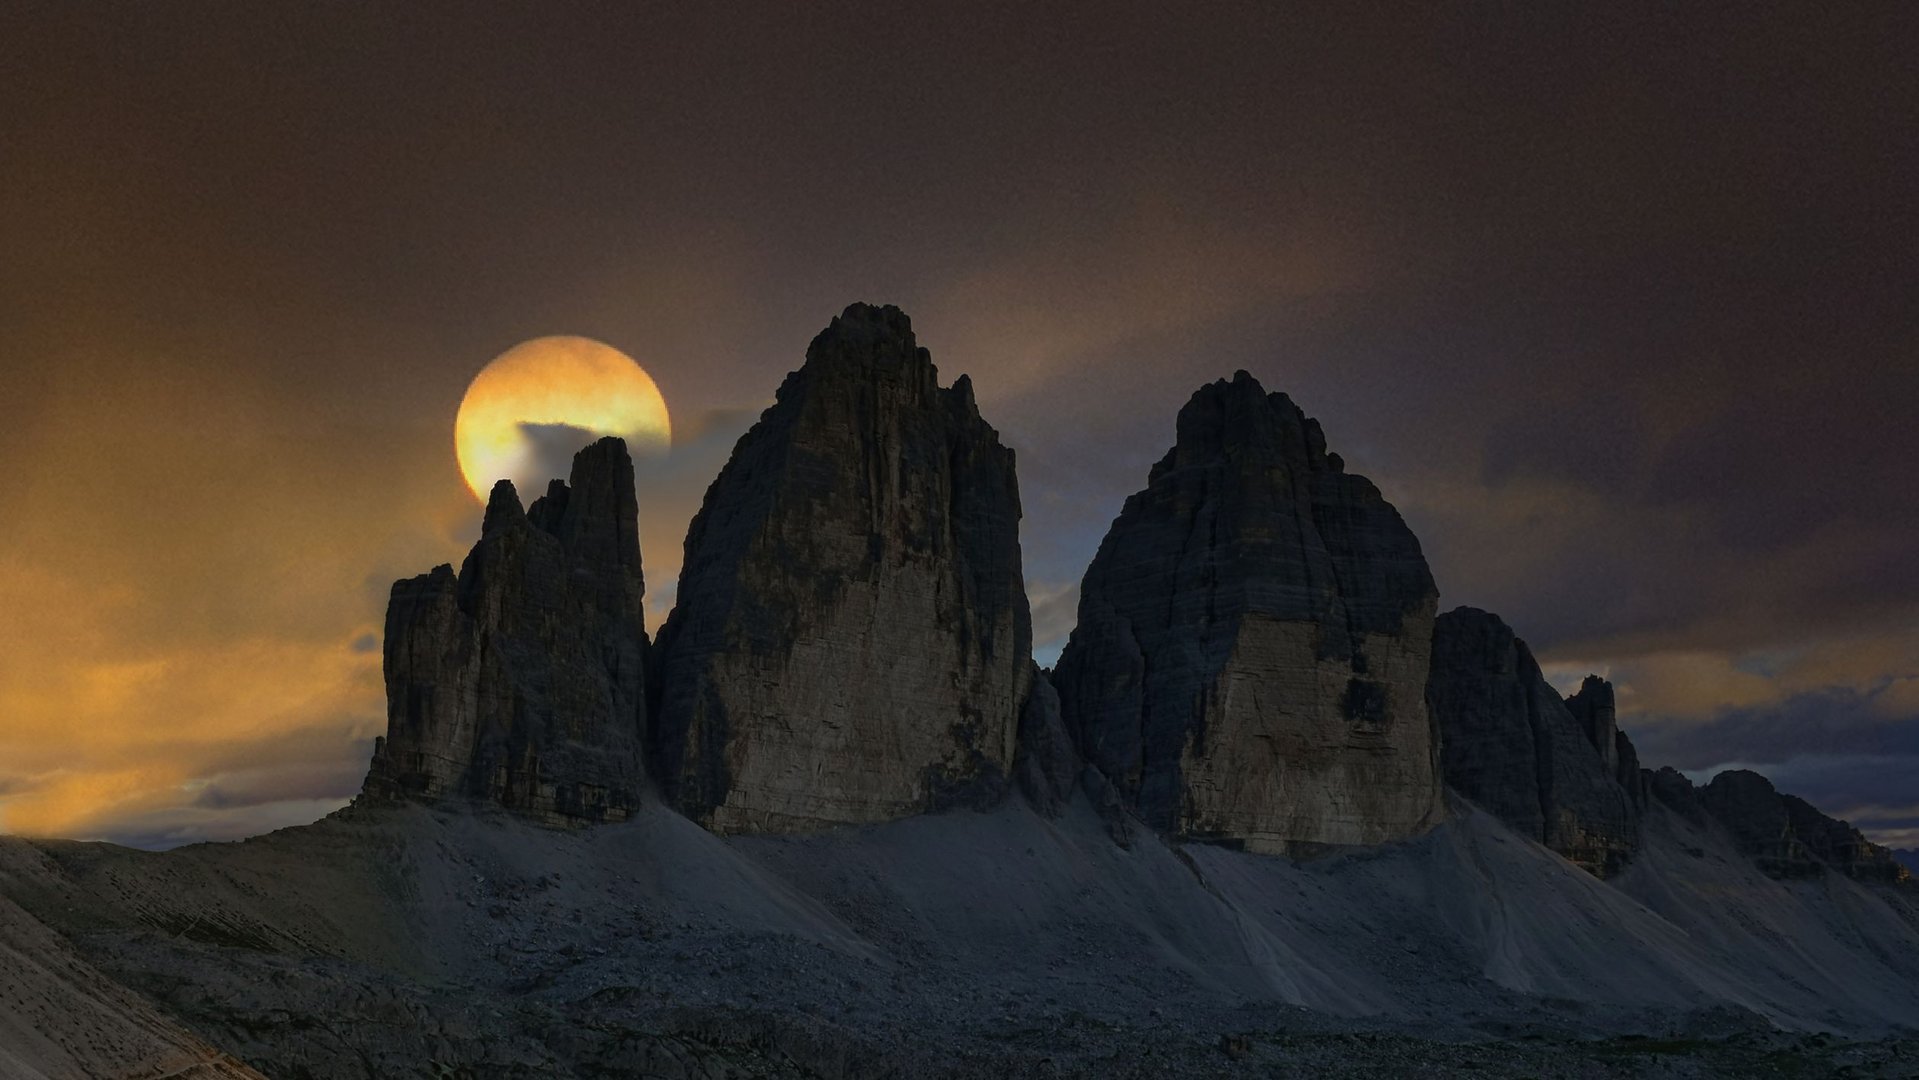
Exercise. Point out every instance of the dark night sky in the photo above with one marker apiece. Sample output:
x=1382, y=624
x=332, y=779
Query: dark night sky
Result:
x=1616, y=304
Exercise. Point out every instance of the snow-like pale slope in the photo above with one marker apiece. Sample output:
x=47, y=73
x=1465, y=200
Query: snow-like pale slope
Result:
x=1421, y=930
x=437, y=934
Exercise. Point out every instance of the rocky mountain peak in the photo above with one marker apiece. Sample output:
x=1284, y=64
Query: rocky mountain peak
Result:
x=503, y=510
x=1598, y=715
x=1787, y=836
x=1236, y=418
x=863, y=343
x=851, y=640
x=520, y=681
x=1253, y=641
x=596, y=514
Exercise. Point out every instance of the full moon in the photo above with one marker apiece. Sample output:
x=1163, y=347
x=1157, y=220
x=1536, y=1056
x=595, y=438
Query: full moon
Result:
x=547, y=397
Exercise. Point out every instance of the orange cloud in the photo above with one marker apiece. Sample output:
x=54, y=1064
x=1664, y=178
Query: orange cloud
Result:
x=185, y=573
x=195, y=575
x=91, y=741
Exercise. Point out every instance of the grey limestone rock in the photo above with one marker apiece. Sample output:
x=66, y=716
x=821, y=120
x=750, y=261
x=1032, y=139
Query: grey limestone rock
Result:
x=851, y=640
x=1512, y=745
x=520, y=681
x=1250, y=661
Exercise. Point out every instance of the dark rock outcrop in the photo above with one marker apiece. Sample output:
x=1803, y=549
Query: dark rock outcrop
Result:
x=1597, y=714
x=1748, y=806
x=1788, y=837
x=851, y=640
x=1045, y=765
x=1254, y=634
x=521, y=680
x=1511, y=744
x=1840, y=846
x=1670, y=788
x=1629, y=774
x=1595, y=709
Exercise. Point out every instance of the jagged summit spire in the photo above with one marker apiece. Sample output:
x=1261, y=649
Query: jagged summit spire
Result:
x=866, y=343
x=865, y=325
x=520, y=681
x=503, y=509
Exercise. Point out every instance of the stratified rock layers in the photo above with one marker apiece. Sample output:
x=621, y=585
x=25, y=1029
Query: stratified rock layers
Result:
x=521, y=681
x=1254, y=635
x=851, y=640
x=1512, y=745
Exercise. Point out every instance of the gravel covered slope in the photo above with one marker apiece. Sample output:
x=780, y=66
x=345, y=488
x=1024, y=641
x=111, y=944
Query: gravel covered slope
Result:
x=61, y=1019
x=407, y=940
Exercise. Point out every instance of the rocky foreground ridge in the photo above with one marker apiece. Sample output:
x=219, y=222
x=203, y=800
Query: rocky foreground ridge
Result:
x=1258, y=660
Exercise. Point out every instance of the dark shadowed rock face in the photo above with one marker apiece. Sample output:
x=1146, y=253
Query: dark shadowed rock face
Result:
x=1046, y=766
x=1511, y=744
x=851, y=640
x=1250, y=660
x=1840, y=846
x=1787, y=837
x=1595, y=709
x=1748, y=806
x=1597, y=714
x=1671, y=789
x=520, y=681
x=1627, y=771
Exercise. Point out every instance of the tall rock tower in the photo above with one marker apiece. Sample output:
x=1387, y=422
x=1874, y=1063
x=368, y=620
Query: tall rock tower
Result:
x=851, y=640
x=1548, y=767
x=1251, y=656
x=521, y=681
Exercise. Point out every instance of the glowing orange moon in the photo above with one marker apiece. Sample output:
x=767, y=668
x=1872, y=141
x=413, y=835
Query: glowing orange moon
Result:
x=571, y=381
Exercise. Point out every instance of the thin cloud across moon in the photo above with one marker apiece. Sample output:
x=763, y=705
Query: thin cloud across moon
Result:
x=533, y=405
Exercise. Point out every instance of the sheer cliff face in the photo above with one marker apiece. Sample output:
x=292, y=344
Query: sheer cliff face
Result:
x=1549, y=768
x=1251, y=656
x=521, y=681
x=851, y=640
